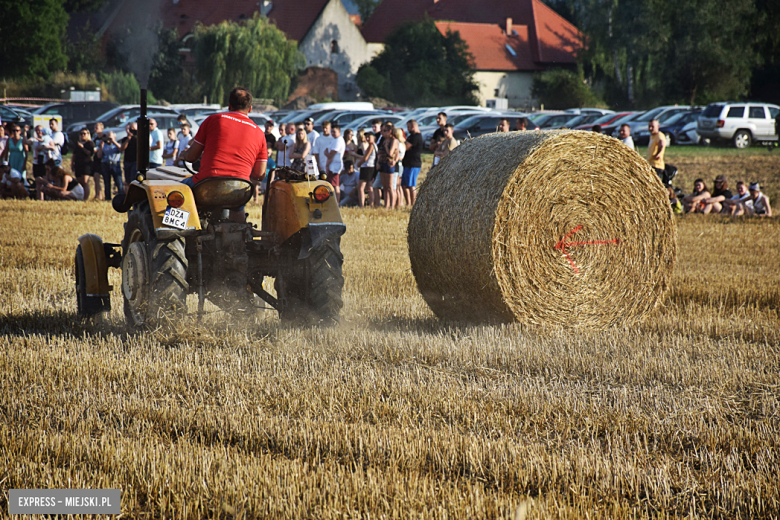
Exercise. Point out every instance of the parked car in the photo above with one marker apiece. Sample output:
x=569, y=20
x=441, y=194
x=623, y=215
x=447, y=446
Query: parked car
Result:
x=670, y=128
x=741, y=123
x=346, y=117
x=192, y=110
x=689, y=135
x=116, y=117
x=603, y=121
x=552, y=120
x=483, y=124
x=661, y=113
x=614, y=126
x=9, y=114
x=164, y=122
x=73, y=111
x=583, y=111
x=576, y=121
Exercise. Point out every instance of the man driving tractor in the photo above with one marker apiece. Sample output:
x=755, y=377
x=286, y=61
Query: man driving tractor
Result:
x=231, y=145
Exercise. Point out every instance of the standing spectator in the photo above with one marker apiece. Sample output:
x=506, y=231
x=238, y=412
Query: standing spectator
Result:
x=350, y=152
x=40, y=150
x=521, y=123
x=367, y=165
x=335, y=158
x=285, y=145
x=155, y=145
x=184, y=137
x=730, y=206
x=503, y=125
x=81, y=162
x=270, y=140
x=761, y=206
x=3, y=140
x=655, y=148
x=16, y=151
x=311, y=133
x=171, y=149
x=57, y=141
x=412, y=162
x=300, y=150
x=97, y=162
x=349, y=185
x=277, y=144
x=357, y=153
x=447, y=145
x=323, y=142
x=399, y=167
x=388, y=151
x=693, y=203
x=438, y=135
x=130, y=148
x=110, y=156
x=624, y=134
x=181, y=121
x=721, y=193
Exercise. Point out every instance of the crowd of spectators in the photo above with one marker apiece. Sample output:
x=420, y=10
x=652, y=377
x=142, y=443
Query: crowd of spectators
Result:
x=376, y=168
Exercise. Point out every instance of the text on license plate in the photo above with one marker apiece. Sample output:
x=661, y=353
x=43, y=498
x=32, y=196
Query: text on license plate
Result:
x=176, y=218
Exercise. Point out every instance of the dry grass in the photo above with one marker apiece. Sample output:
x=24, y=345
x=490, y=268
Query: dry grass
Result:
x=396, y=414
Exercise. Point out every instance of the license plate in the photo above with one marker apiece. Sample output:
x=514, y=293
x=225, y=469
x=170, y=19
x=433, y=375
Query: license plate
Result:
x=176, y=218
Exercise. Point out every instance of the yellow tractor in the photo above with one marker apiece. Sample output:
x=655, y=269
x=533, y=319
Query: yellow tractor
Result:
x=179, y=241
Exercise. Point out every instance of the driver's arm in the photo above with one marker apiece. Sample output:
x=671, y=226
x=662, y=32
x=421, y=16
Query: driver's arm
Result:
x=192, y=153
x=258, y=172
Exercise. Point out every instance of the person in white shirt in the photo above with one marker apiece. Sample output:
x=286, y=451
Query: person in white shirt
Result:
x=311, y=133
x=624, y=134
x=322, y=144
x=184, y=142
x=335, y=158
x=56, y=143
x=171, y=149
x=41, y=151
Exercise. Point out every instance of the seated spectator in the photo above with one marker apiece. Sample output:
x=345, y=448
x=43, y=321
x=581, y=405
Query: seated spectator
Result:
x=349, y=185
x=58, y=184
x=677, y=206
x=714, y=203
x=693, y=203
x=760, y=207
x=730, y=206
x=12, y=184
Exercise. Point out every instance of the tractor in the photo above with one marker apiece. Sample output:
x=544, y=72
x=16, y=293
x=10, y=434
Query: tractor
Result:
x=179, y=241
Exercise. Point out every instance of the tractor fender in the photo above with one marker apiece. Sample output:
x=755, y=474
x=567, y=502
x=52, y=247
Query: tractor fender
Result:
x=291, y=209
x=156, y=193
x=95, y=266
x=319, y=233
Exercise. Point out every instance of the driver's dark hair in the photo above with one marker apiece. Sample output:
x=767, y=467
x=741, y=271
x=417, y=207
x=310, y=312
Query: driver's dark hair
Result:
x=240, y=99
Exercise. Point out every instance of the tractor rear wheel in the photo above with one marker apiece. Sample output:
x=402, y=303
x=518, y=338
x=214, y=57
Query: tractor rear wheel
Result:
x=325, y=282
x=154, y=272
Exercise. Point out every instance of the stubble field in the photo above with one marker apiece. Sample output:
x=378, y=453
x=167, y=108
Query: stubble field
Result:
x=396, y=414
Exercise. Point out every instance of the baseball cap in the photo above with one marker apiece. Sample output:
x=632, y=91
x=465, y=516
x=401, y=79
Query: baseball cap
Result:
x=308, y=120
x=754, y=186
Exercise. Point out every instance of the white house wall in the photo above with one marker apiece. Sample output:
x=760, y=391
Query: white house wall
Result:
x=334, y=24
x=514, y=86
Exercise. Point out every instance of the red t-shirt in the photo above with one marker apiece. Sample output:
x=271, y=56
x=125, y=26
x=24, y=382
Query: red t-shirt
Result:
x=232, y=144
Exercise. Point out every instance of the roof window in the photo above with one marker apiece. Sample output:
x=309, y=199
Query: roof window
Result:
x=511, y=50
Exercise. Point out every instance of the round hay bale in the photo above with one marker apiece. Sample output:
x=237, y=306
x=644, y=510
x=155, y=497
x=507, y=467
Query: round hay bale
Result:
x=555, y=227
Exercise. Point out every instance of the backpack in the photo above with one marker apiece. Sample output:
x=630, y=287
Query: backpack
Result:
x=65, y=148
x=669, y=173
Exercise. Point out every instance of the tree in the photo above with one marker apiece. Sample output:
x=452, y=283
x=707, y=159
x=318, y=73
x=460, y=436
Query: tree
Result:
x=560, y=89
x=168, y=79
x=365, y=8
x=254, y=54
x=85, y=54
x=31, y=36
x=419, y=66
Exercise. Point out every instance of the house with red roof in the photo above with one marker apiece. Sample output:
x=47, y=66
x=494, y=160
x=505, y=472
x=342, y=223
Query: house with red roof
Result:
x=509, y=40
x=327, y=35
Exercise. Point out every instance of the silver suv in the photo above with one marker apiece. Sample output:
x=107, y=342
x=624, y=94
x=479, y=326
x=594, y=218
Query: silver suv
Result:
x=741, y=123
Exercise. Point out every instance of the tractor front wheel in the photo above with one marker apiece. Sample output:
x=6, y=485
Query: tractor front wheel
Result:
x=154, y=272
x=317, y=299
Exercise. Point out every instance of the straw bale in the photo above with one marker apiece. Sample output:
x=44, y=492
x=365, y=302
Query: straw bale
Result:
x=501, y=226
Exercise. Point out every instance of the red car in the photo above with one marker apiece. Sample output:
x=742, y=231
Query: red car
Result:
x=602, y=121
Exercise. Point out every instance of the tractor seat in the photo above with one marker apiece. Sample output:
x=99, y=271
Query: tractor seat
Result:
x=217, y=193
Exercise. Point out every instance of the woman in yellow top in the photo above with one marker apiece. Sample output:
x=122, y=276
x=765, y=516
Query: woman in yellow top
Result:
x=656, y=147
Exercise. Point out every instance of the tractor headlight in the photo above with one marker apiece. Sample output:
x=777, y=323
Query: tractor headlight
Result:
x=321, y=194
x=175, y=199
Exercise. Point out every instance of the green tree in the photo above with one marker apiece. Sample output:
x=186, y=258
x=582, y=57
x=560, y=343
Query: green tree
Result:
x=419, y=66
x=169, y=79
x=30, y=38
x=559, y=89
x=85, y=53
x=83, y=6
x=366, y=8
x=254, y=54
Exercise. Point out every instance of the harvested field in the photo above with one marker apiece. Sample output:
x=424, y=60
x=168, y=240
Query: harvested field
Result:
x=397, y=414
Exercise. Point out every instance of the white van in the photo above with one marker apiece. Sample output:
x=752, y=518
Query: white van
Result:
x=343, y=105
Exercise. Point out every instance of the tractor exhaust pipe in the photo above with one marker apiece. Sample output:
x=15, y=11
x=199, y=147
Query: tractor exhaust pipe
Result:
x=143, y=139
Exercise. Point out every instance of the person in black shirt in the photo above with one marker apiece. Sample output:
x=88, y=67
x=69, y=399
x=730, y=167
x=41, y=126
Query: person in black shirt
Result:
x=130, y=147
x=438, y=135
x=81, y=162
x=412, y=162
x=714, y=204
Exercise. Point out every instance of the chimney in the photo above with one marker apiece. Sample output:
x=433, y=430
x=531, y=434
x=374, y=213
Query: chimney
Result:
x=509, y=27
